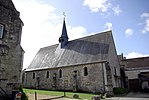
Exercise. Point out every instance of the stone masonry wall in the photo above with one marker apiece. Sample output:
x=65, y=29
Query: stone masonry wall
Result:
x=10, y=64
x=114, y=62
x=93, y=82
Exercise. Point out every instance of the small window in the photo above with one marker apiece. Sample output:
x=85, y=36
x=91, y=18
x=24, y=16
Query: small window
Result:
x=48, y=74
x=85, y=71
x=60, y=73
x=115, y=71
x=1, y=30
x=33, y=75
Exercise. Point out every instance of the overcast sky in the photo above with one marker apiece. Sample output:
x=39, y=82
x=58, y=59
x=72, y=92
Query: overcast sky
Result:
x=128, y=20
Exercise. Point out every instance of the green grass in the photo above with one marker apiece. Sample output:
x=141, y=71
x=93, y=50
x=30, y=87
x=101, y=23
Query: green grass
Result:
x=83, y=96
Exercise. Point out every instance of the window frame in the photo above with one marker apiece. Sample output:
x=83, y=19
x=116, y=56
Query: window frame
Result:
x=2, y=31
x=47, y=74
x=60, y=73
x=85, y=71
x=34, y=75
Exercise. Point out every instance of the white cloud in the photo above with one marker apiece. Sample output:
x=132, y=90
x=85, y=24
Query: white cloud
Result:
x=97, y=5
x=36, y=27
x=42, y=27
x=76, y=32
x=129, y=32
x=146, y=27
x=135, y=55
x=108, y=26
x=101, y=5
x=146, y=22
x=93, y=33
x=145, y=15
x=117, y=10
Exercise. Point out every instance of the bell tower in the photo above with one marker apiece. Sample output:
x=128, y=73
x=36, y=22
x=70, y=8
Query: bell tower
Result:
x=63, y=40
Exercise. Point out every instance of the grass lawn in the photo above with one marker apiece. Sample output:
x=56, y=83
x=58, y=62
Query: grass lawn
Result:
x=87, y=96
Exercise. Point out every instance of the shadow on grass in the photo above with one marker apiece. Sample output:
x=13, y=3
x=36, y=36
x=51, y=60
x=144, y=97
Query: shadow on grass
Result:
x=52, y=98
x=58, y=98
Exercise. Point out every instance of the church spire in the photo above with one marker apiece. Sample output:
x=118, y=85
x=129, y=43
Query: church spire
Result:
x=64, y=37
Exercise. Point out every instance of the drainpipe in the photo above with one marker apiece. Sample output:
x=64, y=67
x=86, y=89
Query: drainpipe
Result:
x=26, y=79
x=103, y=77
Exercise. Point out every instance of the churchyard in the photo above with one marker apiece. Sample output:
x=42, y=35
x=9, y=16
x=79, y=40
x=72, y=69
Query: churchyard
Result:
x=46, y=94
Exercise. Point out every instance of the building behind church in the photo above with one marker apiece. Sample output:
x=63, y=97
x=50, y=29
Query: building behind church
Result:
x=11, y=52
x=135, y=73
x=87, y=64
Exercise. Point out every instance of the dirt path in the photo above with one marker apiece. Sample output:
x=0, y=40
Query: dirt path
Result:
x=46, y=97
x=39, y=96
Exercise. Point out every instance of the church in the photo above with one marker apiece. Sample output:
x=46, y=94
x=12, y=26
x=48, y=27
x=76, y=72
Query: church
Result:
x=88, y=64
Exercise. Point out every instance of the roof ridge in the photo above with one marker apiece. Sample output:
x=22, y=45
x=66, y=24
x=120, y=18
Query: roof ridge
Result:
x=91, y=35
x=100, y=33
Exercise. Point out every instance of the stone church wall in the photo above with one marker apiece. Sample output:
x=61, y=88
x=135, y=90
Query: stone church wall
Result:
x=114, y=63
x=73, y=78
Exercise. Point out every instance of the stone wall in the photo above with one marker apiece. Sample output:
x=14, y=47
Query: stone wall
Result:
x=73, y=78
x=114, y=63
x=11, y=63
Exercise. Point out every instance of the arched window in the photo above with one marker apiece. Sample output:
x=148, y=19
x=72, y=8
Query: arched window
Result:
x=33, y=75
x=60, y=73
x=48, y=74
x=85, y=71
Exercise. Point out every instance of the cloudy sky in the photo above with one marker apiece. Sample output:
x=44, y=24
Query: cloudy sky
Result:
x=128, y=20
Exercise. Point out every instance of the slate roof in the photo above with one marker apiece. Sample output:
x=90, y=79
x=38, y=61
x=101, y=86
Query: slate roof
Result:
x=140, y=62
x=94, y=48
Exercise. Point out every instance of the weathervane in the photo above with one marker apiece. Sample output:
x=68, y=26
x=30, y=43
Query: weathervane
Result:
x=64, y=15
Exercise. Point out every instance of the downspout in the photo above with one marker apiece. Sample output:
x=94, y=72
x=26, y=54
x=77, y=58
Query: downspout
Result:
x=25, y=79
x=103, y=77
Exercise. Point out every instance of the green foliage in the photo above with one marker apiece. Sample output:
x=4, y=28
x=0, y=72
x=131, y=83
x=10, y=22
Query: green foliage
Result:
x=76, y=96
x=103, y=97
x=96, y=97
x=119, y=90
x=24, y=96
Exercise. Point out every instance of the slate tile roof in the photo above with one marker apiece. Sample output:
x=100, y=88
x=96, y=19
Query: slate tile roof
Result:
x=88, y=49
x=141, y=62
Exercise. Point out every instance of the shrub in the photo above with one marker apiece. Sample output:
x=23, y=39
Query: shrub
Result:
x=24, y=96
x=145, y=90
x=119, y=90
x=75, y=96
x=96, y=97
